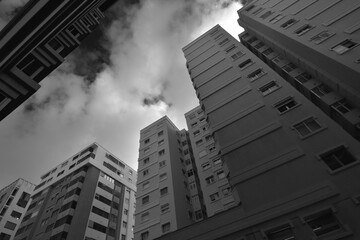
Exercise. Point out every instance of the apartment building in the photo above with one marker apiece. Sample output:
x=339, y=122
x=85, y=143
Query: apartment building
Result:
x=289, y=162
x=14, y=200
x=91, y=195
x=314, y=46
x=37, y=40
x=168, y=193
x=217, y=192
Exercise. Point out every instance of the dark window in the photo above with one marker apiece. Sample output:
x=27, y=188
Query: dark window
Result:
x=267, y=51
x=16, y=214
x=289, y=67
x=307, y=127
x=276, y=18
x=324, y=223
x=285, y=105
x=322, y=36
x=102, y=199
x=105, y=187
x=109, y=166
x=245, y=63
x=344, y=46
x=223, y=42
x=342, y=106
x=100, y=212
x=72, y=192
x=283, y=232
x=165, y=227
x=338, y=158
x=23, y=200
x=269, y=88
x=10, y=225
x=256, y=74
x=229, y=49
x=321, y=90
x=288, y=23
x=4, y=236
x=145, y=200
x=145, y=236
x=259, y=45
x=59, y=236
x=304, y=29
x=97, y=226
x=303, y=77
x=266, y=14
x=163, y=191
x=68, y=205
x=64, y=220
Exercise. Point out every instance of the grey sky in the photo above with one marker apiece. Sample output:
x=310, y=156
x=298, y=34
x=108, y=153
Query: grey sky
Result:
x=134, y=74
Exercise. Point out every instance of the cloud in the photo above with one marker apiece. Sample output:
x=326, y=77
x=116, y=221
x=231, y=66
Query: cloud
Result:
x=125, y=76
x=8, y=8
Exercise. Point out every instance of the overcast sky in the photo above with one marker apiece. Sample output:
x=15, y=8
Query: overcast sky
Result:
x=124, y=77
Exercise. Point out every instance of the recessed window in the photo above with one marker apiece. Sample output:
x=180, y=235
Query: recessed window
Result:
x=160, y=133
x=16, y=215
x=303, y=77
x=284, y=232
x=161, y=142
x=307, y=127
x=259, y=45
x=256, y=74
x=324, y=223
x=145, y=235
x=162, y=152
x=288, y=23
x=230, y=48
x=205, y=165
x=245, y=64
x=146, y=172
x=289, y=67
x=337, y=158
x=163, y=176
x=199, y=142
x=146, y=150
x=267, y=51
x=251, y=40
x=304, y=29
x=165, y=227
x=342, y=107
x=197, y=132
x=276, y=18
x=146, y=185
x=223, y=42
x=266, y=14
x=344, y=46
x=321, y=90
x=10, y=225
x=221, y=174
x=248, y=9
x=210, y=179
x=257, y=11
x=162, y=163
x=214, y=197
x=146, y=141
x=146, y=161
x=269, y=88
x=286, y=104
x=190, y=173
x=219, y=36
x=322, y=36
x=165, y=208
x=145, y=200
x=145, y=217
x=217, y=161
x=163, y=191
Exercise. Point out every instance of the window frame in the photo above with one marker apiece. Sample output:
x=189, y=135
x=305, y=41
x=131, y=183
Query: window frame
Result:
x=265, y=231
x=342, y=42
x=282, y=102
x=311, y=133
x=312, y=39
x=266, y=88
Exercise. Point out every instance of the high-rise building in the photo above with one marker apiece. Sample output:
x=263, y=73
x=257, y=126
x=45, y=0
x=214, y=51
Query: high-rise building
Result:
x=217, y=193
x=14, y=200
x=36, y=41
x=168, y=193
x=314, y=46
x=293, y=167
x=89, y=196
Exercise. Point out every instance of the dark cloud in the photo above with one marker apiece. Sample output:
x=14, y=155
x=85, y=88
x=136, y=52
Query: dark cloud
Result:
x=155, y=100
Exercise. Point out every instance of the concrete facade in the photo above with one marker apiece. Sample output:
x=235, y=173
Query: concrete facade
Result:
x=314, y=46
x=89, y=196
x=14, y=200
x=289, y=162
x=168, y=196
x=36, y=41
x=217, y=192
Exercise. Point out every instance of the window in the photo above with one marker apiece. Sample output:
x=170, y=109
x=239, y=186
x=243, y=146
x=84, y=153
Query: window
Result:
x=237, y=55
x=307, y=127
x=337, y=158
x=223, y=42
x=256, y=74
x=324, y=223
x=190, y=173
x=145, y=200
x=198, y=215
x=146, y=141
x=289, y=67
x=163, y=176
x=248, y=9
x=342, y=106
x=161, y=142
x=145, y=217
x=221, y=174
x=165, y=227
x=321, y=37
x=344, y=46
x=269, y=88
x=10, y=225
x=146, y=150
x=163, y=191
x=214, y=197
x=217, y=161
x=245, y=64
x=100, y=212
x=160, y=133
x=197, y=132
x=210, y=180
x=226, y=191
x=205, y=165
x=230, y=48
x=97, y=226
x=145, y=235
x=280, y=233
x=288, y=23
x=286, y=105
x=276, y=18
x=15, y=215
x=321, y=90
x=199, y=142
x=259, y=45
x=267, y=51
x=162, y=163
x=219, y=36
x=303, y=77
x=257, y=11
x=194, y=124
x=102, y=199
x=145, y=172
x=165, y=208
x=60, y=173
x=266, y=14
x=124, y=224
x=162, y=152
x=146, y=161
x=304, y=29
x=212, y=148
x=4, y=236
x=251, y=40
